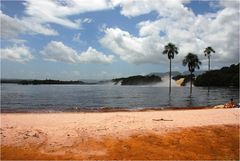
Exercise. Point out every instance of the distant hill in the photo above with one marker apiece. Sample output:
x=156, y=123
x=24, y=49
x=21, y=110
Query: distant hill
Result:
x=226, y=76
x=105, y=82
x=174, y=73
x=196, y=73
x=137, y=80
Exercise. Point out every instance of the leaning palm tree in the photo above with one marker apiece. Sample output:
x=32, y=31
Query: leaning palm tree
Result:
x=193, y=62
x=170, y=49
x=207, y=52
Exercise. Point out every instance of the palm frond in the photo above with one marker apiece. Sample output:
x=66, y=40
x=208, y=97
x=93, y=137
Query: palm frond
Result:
x=192, y=61
x=165, y=51
x=208, y=51
x=170, y=49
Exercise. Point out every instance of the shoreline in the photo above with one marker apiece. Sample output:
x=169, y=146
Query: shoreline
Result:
x=180, y=134
x=104, y=109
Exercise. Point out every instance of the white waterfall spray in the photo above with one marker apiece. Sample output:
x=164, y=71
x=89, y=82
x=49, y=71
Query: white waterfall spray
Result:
x=165, y=82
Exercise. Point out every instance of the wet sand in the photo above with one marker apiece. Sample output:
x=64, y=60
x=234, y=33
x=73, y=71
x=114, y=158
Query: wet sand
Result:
x=177, y=134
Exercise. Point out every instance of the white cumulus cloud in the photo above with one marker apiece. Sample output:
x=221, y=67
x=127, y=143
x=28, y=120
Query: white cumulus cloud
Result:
x=94, y=56
x=12, y=26
x=58, y=12
x=137, y=50
x=39, y=15
x=177, y=24
x=57, y=51
x=16, y=53
x=132, y=8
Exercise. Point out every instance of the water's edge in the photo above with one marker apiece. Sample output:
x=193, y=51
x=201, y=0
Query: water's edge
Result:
x=97, y=110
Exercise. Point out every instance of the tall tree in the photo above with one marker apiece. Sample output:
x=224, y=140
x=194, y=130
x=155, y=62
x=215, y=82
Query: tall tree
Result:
x=207, y=53
x=170, y=49
x=192, y=61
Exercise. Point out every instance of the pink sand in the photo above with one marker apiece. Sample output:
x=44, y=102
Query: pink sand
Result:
x=62, y=128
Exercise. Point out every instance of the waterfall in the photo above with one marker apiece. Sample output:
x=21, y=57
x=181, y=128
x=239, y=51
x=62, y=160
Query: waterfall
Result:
x=165, y=82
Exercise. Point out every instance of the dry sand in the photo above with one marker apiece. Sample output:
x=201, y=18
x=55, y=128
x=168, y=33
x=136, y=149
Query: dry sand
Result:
x=175, y=134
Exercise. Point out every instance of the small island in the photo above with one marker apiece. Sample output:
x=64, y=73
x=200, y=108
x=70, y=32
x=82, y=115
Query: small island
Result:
x=226, y=76
x=48, y=81
x=138, y=80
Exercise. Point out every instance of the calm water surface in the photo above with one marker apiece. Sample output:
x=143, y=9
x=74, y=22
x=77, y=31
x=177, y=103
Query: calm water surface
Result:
x=88, y=97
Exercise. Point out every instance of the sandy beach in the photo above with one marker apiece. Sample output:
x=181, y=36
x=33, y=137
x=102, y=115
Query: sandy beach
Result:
x=172, y=134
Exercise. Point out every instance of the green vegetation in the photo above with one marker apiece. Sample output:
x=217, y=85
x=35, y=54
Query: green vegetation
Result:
x=138, y=80
x=170, y=49
x=11, y=81
x=49, y=81
x=192, y=61
x=226, y=76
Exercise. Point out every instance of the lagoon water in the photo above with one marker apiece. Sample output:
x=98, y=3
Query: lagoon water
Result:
x=93, y=97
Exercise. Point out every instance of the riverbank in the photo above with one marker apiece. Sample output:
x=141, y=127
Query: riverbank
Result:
x=173, y=134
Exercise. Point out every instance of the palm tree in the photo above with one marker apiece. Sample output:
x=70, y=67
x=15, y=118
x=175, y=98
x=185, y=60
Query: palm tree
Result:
x=170, y=49
x=193, y=62
x=207, y=52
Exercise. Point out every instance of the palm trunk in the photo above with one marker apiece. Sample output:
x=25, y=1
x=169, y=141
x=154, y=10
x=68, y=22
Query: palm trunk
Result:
x=191, y=84
x=170, y=74
x=208, y=68
x=208, y=63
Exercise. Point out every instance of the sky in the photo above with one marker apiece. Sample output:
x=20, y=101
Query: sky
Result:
x=105, y=39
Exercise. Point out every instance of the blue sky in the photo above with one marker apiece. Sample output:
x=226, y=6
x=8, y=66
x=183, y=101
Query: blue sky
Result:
x=105, y=39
